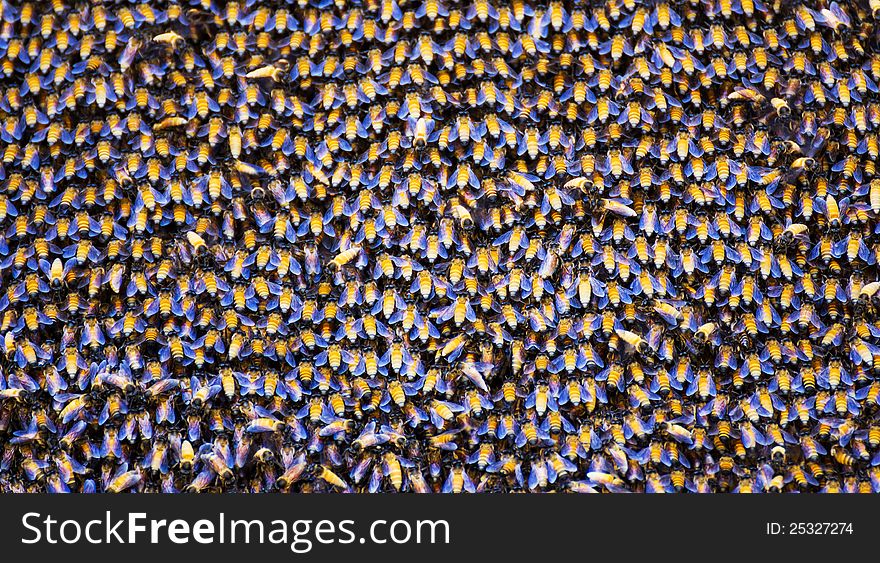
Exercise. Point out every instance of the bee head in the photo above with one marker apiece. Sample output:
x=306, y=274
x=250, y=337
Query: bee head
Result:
x=777, y=454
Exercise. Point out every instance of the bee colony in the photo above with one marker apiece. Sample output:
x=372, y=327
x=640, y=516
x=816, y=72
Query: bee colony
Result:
x=439, y=246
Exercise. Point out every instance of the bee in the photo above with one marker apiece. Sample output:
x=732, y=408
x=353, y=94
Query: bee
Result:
x=458, y=481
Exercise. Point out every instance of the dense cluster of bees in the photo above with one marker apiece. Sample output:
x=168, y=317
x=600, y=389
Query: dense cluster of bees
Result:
x=422, y=246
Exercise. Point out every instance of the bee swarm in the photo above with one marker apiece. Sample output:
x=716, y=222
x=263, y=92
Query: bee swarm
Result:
x=433, y=246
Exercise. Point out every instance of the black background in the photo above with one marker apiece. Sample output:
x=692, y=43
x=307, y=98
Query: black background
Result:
x=489, y=527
